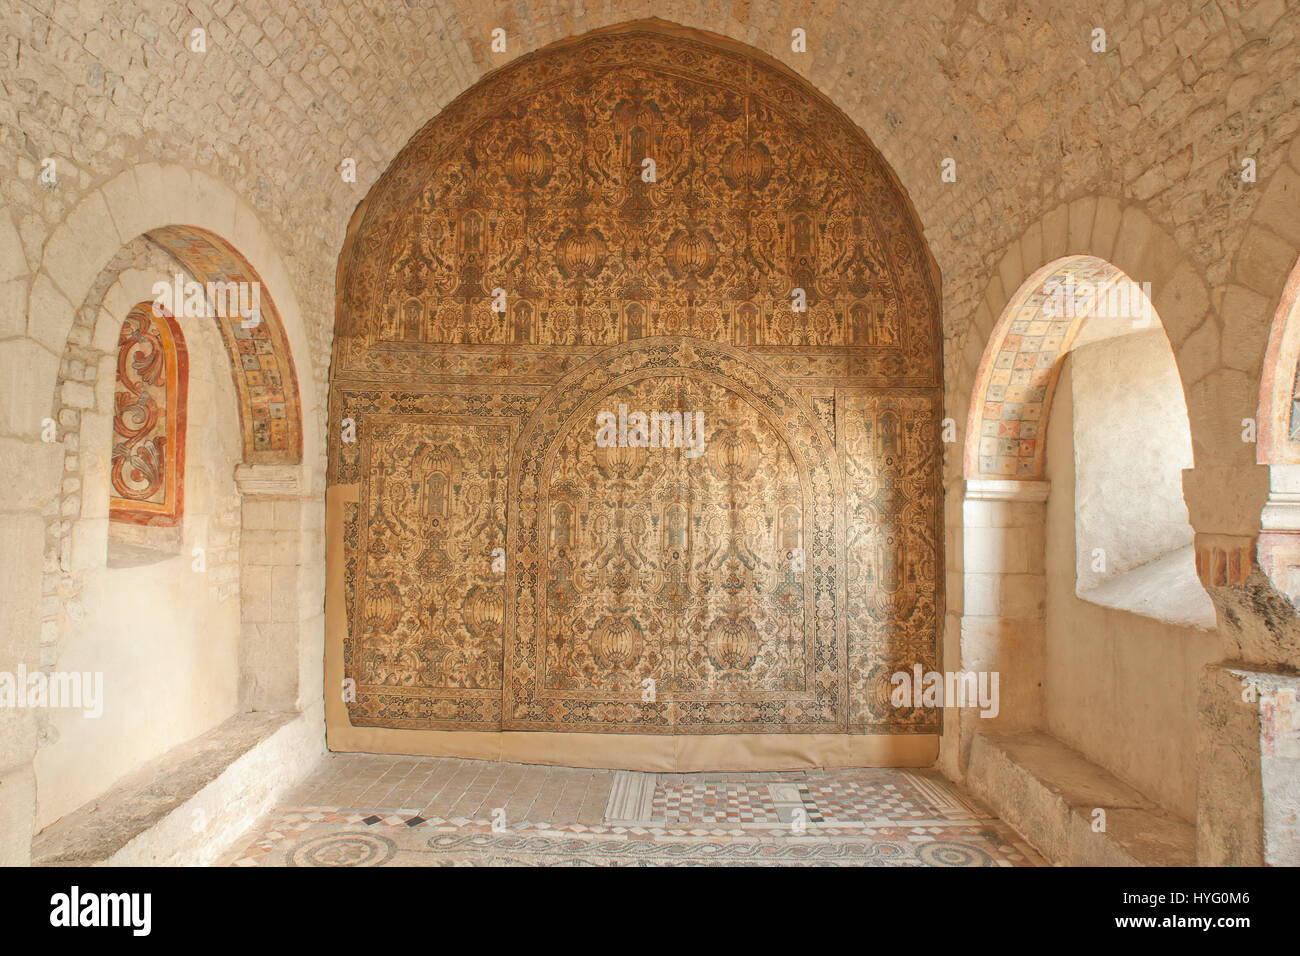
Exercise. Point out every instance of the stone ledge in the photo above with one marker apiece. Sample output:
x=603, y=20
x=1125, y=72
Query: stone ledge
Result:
x=213, y=776
x=1047, y=793
x=1165, y=589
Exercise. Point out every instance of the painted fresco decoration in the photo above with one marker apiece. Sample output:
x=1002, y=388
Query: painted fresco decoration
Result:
x=1293, y=427
x=771, y=581
x=149, y=417
x=1026, y=365
x=262, y=367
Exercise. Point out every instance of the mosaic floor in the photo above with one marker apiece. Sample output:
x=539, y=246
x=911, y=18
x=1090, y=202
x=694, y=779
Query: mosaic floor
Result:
x=368, y=810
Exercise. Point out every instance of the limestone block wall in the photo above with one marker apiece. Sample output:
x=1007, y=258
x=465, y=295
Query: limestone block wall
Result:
x=1002, y=588
x=1033, y=117
x=1133, y=155
x=192, y=684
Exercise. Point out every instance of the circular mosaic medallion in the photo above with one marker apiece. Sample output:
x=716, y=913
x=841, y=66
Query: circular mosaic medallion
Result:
x=952, y=854
x=344, y=849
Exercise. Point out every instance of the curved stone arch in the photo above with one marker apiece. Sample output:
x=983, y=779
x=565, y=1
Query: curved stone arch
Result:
x=1266, y=285
x=121, y=287
x=201, y=222
x=437, y=356
x=1018, y=375
x=80, y=524
x=1126, y=239
x=534, y=447
x=1003, y=596
x=261, y=362
x=1263, y=292
x=189, y=212
x=1279, y=443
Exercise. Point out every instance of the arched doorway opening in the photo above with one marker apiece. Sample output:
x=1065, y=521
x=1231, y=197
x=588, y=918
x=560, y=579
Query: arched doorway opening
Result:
x=165, y=403
x=1279, y=445
x=1081, y=577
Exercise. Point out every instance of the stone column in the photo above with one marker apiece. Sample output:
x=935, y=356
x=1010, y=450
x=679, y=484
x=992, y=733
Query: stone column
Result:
x=1004, y=585
x=1248, y=747
x=1278, y=549
x=280, y=600
x=1248, y=768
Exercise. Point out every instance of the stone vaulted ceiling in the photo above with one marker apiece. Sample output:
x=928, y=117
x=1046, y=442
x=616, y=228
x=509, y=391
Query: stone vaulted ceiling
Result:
x=286, y=91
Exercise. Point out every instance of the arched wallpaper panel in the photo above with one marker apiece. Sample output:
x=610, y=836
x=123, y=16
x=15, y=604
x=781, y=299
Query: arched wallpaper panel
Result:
x=515, y=274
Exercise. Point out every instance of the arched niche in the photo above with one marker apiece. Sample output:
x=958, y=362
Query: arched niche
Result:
x=1078, y=550
x=1130, y=437
x=514, y=255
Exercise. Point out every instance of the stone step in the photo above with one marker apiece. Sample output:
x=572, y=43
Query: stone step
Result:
x=185, y=806
x=1049, y=794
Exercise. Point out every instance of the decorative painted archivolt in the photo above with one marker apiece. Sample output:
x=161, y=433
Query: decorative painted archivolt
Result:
x=511, y=277
x=261, y=364
x=149, y=418
x=1018, y=374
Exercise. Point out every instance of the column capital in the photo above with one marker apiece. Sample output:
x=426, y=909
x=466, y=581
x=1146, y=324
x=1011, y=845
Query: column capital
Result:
x=285, y=481
x=1226, y=500
x=1007, y=489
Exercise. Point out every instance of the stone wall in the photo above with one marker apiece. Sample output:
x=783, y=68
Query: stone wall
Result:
x=1133, y=155
x=133, y=606
x=1130, y=444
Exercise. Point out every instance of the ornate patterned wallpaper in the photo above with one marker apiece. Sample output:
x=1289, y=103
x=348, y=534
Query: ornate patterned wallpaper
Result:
x=515, y=275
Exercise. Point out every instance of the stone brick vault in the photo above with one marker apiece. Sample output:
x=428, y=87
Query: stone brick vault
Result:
x=919, y=170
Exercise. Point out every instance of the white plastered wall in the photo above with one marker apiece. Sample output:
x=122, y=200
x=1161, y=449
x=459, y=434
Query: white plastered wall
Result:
x=1131, y=442
x=1119, y=687
x=165, y=637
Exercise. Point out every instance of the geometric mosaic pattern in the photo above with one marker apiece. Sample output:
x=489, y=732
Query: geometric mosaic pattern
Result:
x=832, y=799
x=877, y=817
x=266, y=382
x=1020, y=368
x=318, y=838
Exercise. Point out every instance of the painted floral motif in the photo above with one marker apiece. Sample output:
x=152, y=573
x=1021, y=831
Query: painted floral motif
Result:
x=149, y=419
